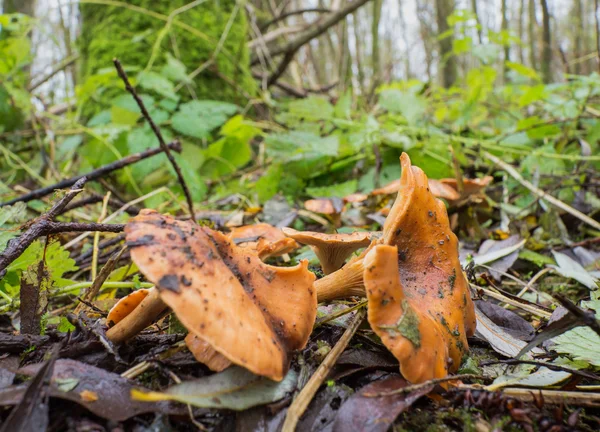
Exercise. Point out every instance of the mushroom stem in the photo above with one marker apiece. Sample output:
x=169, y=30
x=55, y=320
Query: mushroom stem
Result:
x=346, y=282
x=141, y=317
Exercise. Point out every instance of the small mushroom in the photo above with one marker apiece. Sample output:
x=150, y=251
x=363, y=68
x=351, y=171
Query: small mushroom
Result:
x=125, y=306
x=418, y=241
x=332, y=250
x=332, y=207
x=206, y=354
x=252, y=313
x=266, y=240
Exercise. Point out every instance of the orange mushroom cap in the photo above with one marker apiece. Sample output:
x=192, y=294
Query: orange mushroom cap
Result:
x=471, y=186
x=428, y=260
x=399, y=319
x=252, y=313
x=332, y=250
x=125, y=306
x=266, y=240
x=412, y=274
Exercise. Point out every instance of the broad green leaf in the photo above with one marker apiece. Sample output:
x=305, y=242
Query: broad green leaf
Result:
x=158, y=84
x=523, y=70
x=410, y=105
x=295, y=143
x=535, y=257
x=338, y=190
x=12, y=214
x=235, y=388
x=199, y=118
x=312, y=107
x=267, y=186
x=175, y=70
x=225, y=156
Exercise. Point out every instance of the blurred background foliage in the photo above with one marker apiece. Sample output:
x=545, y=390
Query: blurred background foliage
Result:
x=271, y=98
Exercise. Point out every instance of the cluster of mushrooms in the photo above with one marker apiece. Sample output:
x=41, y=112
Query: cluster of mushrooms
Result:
x=239, y=310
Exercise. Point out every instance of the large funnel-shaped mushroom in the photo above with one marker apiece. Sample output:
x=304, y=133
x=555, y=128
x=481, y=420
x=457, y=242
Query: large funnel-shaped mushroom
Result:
x=332, y=250
x=252, y=313
x=428, y=270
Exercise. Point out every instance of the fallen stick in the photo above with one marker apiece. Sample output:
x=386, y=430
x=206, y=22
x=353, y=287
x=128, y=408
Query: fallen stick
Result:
x=92, y=175
x=45, y=225
x=301, y=402
x=540, y=193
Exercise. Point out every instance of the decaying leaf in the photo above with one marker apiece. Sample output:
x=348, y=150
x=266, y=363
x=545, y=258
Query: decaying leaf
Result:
x=112, y=390
x=570, y=268
x=252, y=313
x=235, y=388
x=362, y=412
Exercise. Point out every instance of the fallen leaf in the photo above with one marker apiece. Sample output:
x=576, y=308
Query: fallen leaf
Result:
x=235, y=388
x=88, y=396
x=509, y=321
x=113, y=391
x=571, y=269
x=499, y=339
x=490, y=248
x=376, y=414
x=497, y=253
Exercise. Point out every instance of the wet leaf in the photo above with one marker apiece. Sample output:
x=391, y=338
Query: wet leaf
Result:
x=571, y=269
x=112, y=390
x=376, y=414
x=235, y=388
x=509, y=321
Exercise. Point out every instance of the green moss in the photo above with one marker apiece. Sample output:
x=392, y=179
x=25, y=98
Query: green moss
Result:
x=111, y=31
x=407, y=325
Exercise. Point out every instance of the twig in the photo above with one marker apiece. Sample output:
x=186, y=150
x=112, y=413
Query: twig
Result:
x=96, y=198
x=431, y=382
x=587, y=318
x=158, y=134
x=550, y=397
x=550, y=366
x=540, y=193
x=45, y=225
x=63, y=64
x=16, y=247
x=292, y=13
x=301, y=402
x=92, y=175
x=315, y=30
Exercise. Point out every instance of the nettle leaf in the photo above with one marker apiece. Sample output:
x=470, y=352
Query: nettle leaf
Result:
x=158, y=84
x=267, y=186
x=235, y=388
x=312, y=108
x=198, y=119
x=298, y=143
x=338, y=190
x=175, y=70
x=11, y=214
x=410, y=105
x=141, y=139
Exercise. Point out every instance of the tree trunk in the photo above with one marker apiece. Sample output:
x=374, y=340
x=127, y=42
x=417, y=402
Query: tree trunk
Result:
x=112, y=31
x=26, y=7
x=358, y=52
x=405, y=40
x=546, y=66
x=532, y=35
x=521, y=31
x=375, y=54
x=444, y=9
x=479, y=28
x=578, y=23
x=504, y=27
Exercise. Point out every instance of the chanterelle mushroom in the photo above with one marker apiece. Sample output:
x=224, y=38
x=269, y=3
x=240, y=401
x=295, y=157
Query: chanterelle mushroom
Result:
x=125, y=306
x=267, y=240
x=332, y=250
x=423, y=283
x=252, y=313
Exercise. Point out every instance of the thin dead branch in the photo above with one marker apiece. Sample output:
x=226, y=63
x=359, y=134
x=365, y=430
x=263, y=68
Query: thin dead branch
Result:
x=156, y=130
x=45, y=225
x=92, y=175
